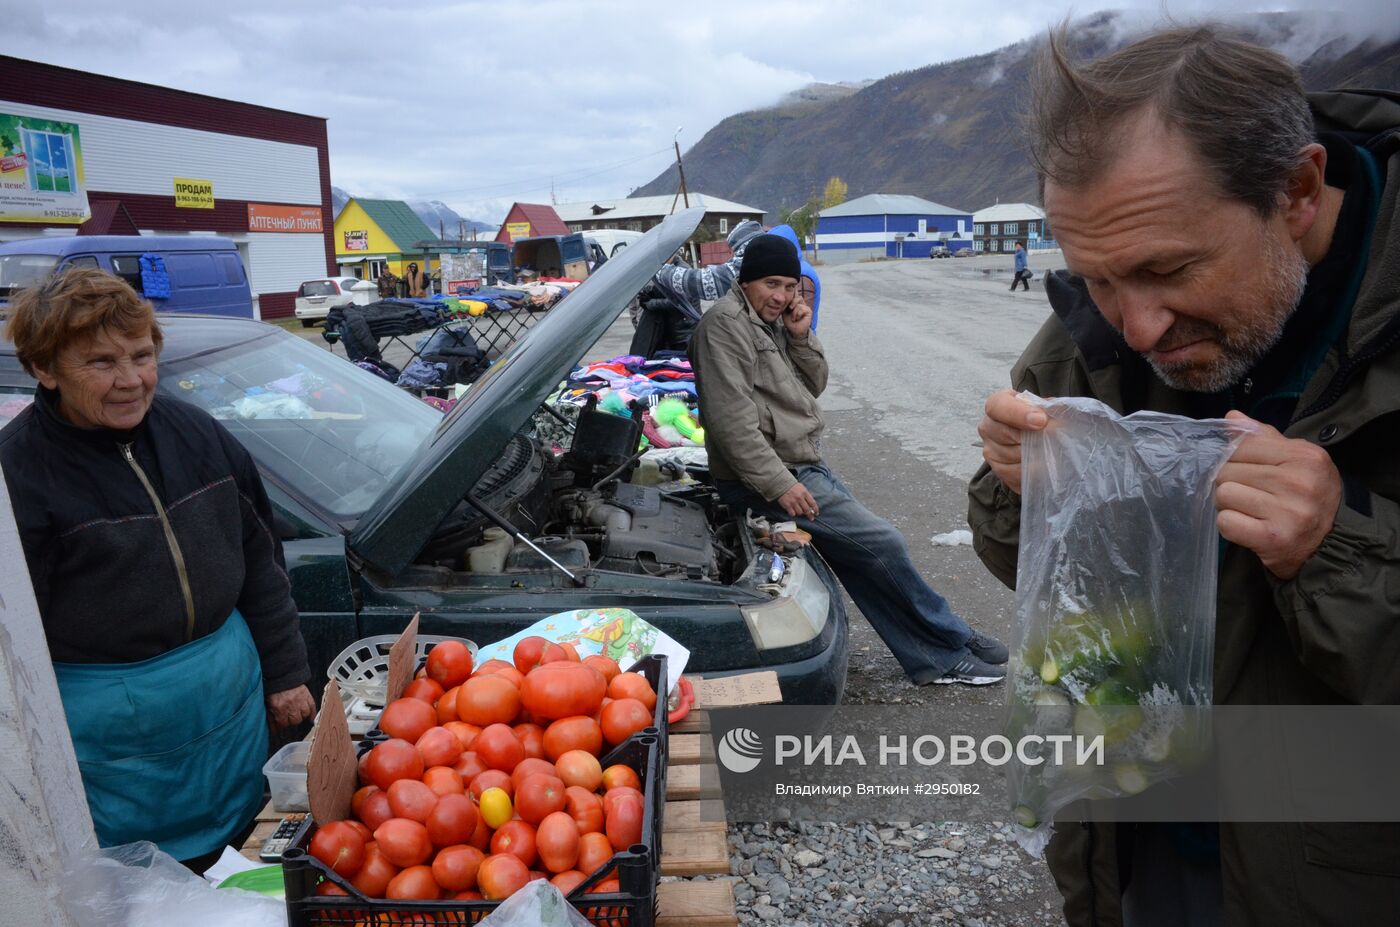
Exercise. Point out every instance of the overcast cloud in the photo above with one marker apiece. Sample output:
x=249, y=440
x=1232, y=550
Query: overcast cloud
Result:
x=481, y=104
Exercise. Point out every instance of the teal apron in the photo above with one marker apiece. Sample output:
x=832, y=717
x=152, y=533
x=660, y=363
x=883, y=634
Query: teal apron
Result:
x=171, y=748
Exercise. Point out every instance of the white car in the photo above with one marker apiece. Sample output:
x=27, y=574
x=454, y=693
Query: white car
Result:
x=612, y=241
x=316, y=298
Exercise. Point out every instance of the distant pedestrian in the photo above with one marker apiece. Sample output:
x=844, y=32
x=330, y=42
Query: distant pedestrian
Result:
x=1023, y=271
x=415, y=282
x=388, y=284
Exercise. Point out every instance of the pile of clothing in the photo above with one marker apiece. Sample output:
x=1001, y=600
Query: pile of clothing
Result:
x=446, y=356
x=664, y=388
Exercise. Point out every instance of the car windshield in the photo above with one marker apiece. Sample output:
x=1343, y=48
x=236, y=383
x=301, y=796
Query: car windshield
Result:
x=319, y=288
x=21, y=270
x=325, y=429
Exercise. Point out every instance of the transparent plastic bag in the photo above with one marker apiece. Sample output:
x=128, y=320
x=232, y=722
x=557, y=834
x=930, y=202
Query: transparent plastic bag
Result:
x=1115, y=600
x=138, y=885
x=538, y=904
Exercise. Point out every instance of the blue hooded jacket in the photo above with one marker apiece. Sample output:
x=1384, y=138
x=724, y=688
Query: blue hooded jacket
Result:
x=786, y=231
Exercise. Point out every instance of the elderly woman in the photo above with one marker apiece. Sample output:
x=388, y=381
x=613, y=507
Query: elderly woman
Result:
x=161, y=586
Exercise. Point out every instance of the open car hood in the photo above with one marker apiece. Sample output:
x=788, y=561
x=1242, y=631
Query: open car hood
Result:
x=399, y=524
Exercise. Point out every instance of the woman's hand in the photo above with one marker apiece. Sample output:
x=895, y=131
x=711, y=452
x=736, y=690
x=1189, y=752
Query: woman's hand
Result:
x=291, y=707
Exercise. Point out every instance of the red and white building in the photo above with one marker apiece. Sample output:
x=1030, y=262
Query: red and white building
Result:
x=141, y=144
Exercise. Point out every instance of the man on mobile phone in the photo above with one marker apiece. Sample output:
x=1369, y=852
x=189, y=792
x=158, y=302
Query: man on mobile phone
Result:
x=759, y=370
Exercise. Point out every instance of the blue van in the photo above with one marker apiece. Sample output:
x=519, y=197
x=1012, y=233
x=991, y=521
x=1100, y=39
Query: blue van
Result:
x=177, y=273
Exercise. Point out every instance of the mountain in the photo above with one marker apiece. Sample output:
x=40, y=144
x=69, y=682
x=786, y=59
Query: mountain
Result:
x=950, y=132
x=430, y=211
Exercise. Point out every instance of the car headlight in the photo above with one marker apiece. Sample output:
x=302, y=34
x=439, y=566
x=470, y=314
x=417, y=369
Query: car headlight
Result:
x=797, y=615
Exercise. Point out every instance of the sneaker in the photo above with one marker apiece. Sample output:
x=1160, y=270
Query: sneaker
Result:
x=987, y=648
x=971, y=671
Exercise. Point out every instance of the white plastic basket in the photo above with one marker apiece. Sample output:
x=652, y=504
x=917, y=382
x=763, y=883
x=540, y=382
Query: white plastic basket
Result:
x=362, y=669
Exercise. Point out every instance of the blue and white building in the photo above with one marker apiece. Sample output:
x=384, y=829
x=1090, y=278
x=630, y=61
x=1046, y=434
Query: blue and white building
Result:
x=892, y=225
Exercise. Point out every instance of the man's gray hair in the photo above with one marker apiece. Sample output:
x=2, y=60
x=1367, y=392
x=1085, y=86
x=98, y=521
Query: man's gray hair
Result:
x=1241, y=105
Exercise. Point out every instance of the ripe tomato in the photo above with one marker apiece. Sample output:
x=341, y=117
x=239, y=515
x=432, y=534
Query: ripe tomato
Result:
x=528, y=652
x=449, y=663
x=414, y=882
x=452, y=821
x=575, y=733
x=489, y=667
x=623, y=718
x=464, y=732
x=585, y=808
x=557, y=842
x=446, y=706
x=454, y=868
x=365, y=833
x=499, y=748
x=362, y=769
x=330, y=888
x=403, y=842
x=439, y=747
x=374, y=876
x=539, y=795
x=501, y=875
x=393, y=760
x=407, y=718
x=555, y=653
x=531, y=738
x=469, y=766
x=375, y=810
x=443, y=780
x=518, y=838
x=605, y=665
x=580, y=768
x=505, y=671
x=340, y=847
x=633, y=685
x=412, y=799
x=485, y=700
x=567, y=881
x=469, y=895
x=491, y=779
x=613, y=796
x=528, y=767
x=425, y=690
x=481, y=837
x=594, y=852
x=496, y=808
x=358, y=799
x=562, y=689
x=619, y=775
x=623, y=823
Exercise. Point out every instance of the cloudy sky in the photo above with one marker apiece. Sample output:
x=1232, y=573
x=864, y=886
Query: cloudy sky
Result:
x=479, y=104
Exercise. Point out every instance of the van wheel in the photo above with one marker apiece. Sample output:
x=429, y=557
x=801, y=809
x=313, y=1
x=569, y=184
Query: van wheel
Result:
x=308, y=323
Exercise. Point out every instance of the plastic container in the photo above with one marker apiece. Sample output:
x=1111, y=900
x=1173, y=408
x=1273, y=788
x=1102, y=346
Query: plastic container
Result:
x=286, y=776
x=638, y=870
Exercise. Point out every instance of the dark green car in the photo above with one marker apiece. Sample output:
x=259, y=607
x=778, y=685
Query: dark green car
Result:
x=380, y=500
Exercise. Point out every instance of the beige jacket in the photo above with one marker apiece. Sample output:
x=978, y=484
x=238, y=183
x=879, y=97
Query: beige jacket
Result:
x=758, y=396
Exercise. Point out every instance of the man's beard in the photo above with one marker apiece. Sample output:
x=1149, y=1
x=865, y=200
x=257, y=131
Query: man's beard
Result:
x=1285, y=279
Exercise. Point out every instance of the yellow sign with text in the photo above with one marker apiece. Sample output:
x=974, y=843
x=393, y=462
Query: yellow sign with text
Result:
x=191, y=193
x=518, y=230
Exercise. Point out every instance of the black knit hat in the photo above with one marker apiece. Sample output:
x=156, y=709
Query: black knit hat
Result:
x=770, y=256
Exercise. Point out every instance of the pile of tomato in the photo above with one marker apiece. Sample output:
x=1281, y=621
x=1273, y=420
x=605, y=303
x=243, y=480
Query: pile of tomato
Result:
x=491, y=778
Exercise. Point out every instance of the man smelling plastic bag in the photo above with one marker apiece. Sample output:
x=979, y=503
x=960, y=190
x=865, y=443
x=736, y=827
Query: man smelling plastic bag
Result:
x=1115, y=597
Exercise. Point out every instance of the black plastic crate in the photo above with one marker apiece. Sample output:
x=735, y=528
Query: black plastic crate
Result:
x=638, y=868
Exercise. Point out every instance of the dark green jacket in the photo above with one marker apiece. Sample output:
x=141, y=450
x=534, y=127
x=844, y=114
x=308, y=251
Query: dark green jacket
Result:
x=1331, y=635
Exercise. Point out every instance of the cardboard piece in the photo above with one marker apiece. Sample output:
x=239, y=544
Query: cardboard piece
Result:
x=402, y=657
x=759, y=688
x=331, y=768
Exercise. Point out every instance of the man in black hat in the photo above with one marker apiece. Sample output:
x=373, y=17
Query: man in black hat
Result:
x=759, y=370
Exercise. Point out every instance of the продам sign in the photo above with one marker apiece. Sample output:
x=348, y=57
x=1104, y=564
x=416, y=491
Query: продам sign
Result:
x=267, y=217
x=191, y=193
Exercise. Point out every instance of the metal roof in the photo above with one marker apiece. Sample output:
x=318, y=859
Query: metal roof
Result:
x=1009, y=212
x=890, y=204
x=646, y=207
x=397, y=220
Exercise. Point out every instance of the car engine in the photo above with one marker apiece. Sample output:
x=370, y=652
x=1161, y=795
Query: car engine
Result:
x=639, y=529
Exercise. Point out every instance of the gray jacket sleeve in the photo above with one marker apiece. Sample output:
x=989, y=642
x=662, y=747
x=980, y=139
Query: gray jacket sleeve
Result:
x=724, y=362
x=809, y=358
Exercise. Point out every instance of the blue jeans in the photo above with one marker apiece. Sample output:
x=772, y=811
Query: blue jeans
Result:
x=872, y=560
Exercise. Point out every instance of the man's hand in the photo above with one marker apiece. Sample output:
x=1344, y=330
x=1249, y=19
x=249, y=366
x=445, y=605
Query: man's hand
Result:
x=1278, y=497
x=797, y=318
x=1001, y=427
x=290, y=707
x=799, y=503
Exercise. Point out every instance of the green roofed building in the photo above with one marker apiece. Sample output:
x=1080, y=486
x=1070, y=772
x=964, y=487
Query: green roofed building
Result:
x=370, y=234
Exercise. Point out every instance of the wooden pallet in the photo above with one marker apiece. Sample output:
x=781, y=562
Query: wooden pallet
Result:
x=694, y=835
